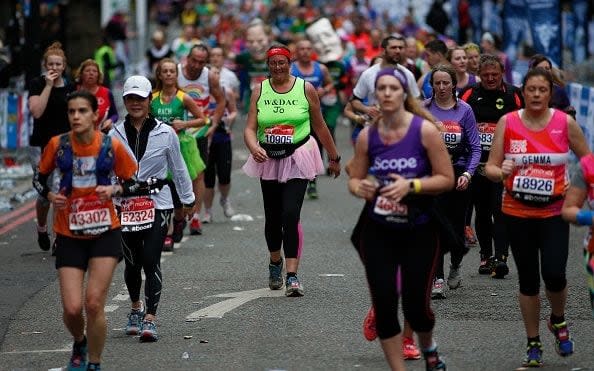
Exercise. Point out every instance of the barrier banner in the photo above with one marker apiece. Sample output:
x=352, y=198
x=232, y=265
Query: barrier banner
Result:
x=3, y=96
x=14, y=120
x=582, y=98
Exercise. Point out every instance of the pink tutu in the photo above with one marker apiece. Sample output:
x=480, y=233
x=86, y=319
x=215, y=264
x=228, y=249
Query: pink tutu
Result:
x=304, y=163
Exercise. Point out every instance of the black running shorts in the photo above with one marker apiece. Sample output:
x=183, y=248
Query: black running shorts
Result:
x=76, y=252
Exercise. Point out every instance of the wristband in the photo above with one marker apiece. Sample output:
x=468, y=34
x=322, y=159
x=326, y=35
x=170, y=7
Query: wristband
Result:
x=336, y=160
x=416, y=185
x=584, y=217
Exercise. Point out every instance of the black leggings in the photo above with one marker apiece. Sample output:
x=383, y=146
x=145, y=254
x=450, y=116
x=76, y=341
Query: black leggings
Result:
x=282, y=210
x=545, y=240
x=415, y=250
x=454, y=204
x=488, y=222
x=142, y=250
x=219, y=164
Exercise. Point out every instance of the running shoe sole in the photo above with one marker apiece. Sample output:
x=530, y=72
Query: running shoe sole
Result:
x=500, y=271
x=147, y=337
x=533, y=363
x=294, y=293
x=568, y=344
x=132, y=331
x=43, y=240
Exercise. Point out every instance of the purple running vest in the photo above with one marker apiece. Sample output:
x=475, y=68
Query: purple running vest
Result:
x=407, y=158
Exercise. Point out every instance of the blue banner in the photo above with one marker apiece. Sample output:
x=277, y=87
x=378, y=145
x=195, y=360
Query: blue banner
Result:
x=515, y=27
x=580, y=21
x=544, y=18
x=476, y=18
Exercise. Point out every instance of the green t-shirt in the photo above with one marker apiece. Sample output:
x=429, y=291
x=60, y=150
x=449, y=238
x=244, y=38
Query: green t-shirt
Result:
x=167, y=112
x=283, y=118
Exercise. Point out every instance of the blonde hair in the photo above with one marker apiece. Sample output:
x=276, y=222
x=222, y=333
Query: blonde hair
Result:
x=471, y=46
x=86, y=63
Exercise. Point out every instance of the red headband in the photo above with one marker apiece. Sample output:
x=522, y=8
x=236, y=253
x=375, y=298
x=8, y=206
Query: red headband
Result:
x=278, y=51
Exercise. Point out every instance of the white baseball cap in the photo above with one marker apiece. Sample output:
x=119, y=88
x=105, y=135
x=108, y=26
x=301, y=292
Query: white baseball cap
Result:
x=137, y=85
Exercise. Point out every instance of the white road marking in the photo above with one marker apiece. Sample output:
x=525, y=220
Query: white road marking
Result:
x=110, y=308
x=121, y=297
x=218, y=310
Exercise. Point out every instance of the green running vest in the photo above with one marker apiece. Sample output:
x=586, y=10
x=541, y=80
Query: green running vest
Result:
x=283, y=118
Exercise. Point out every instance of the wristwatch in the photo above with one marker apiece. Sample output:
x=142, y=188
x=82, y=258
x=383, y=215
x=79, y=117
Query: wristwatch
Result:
x=337, y=159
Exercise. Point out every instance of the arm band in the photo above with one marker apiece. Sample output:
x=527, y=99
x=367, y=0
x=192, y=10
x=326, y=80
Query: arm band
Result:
x=40, y=183
x=584, y=217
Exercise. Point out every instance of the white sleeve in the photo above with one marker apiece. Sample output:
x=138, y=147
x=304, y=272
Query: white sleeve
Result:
x=361, y=89
x=179, y=171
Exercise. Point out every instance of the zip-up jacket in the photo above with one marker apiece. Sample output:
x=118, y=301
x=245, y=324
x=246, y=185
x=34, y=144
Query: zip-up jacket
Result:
x=156, y=149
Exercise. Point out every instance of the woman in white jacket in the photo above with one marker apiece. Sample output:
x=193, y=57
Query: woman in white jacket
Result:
x=156, y=148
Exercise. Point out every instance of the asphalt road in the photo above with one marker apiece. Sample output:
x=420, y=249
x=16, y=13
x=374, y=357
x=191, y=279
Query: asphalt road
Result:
x=478, y=326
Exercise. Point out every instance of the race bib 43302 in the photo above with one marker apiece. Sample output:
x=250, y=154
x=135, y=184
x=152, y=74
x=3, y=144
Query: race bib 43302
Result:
x=89, y=216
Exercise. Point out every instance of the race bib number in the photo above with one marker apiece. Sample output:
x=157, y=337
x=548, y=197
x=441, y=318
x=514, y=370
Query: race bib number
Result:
x=279, y=134
x=137, y=214
x=486, y=132
x=89, y=216
x=451, y=133
x=390, y=211
x=533, y=185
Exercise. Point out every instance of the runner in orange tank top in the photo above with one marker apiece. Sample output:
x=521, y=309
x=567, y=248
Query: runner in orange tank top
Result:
x=88, y=237
x=529, y=155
